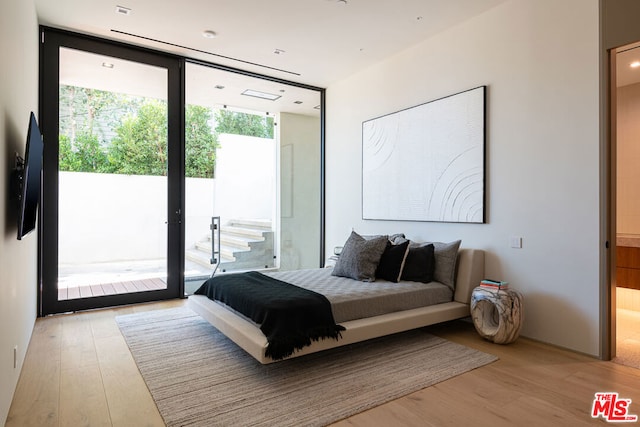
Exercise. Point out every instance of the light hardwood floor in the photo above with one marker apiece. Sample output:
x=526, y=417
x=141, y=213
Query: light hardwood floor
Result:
x=79, y=372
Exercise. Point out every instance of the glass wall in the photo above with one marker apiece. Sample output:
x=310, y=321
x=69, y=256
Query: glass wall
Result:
x=257, y=144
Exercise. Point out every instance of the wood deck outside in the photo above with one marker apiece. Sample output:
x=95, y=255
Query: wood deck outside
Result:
x=111, y=289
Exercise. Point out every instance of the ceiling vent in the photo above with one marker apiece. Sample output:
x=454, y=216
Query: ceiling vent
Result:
x=261, y=95
x=123, y=10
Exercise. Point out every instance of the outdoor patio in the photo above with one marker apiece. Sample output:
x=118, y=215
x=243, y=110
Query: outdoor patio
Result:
x=111, y=278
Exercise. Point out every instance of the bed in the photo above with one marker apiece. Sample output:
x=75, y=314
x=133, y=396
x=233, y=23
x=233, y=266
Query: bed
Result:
x=452, y=301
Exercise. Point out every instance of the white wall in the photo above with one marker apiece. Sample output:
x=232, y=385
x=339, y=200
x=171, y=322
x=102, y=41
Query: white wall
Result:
x=18, y=259
x=540, y=61
x=300, y=191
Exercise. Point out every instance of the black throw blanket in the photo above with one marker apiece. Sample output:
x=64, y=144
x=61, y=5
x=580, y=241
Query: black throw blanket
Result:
x=289, y=316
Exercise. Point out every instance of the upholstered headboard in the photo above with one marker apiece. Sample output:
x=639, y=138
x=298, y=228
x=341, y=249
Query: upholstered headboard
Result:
x=470, y=271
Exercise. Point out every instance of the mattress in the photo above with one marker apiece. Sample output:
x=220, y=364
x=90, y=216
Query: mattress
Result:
x=351, y=299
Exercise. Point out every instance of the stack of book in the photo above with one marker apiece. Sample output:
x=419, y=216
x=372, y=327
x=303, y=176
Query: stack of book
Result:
x=494, y=284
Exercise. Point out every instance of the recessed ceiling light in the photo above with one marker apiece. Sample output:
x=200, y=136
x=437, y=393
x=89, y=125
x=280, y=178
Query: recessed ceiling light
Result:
x=317, y=107
x=297, y=102
x=107, y=65
x=635, y=64
x=278, y=51
x=342, y=2
x=262, y=95
x=208, y=34
x=219, y=87
x=123, y=10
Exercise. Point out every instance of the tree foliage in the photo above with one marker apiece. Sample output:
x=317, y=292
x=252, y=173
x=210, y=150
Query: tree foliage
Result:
x=111, y=133
x=115, y=133
x=200, y=143
x=244, y=124
x=140, y=144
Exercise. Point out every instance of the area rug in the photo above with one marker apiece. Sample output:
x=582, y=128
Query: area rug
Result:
x=198, y=377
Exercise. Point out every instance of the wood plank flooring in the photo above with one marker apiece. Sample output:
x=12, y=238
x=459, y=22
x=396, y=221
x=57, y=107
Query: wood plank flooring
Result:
x=79, y=371
x=126, y=287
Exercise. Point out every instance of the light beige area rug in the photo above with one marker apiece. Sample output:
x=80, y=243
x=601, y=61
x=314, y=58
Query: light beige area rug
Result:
x=198, y=377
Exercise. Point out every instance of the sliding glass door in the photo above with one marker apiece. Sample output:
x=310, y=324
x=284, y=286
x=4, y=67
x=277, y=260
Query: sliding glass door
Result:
x=253, y=162
x=159, y=169
x=112, y=204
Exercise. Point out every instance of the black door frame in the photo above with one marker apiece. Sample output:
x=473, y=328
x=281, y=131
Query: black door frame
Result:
x=51, y=42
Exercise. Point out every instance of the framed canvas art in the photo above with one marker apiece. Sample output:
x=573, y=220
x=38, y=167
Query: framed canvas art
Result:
x=427, y=163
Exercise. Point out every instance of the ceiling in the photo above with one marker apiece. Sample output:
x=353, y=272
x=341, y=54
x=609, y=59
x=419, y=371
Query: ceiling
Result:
x=313, y=42
x=626, y=74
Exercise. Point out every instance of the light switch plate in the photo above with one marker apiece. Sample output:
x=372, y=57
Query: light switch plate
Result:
x=516, y=242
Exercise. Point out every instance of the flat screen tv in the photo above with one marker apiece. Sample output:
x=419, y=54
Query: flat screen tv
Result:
x=29, y=179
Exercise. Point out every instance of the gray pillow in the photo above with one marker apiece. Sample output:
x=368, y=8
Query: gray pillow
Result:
x=360, y=257
x=446, y=256
x=392, y=237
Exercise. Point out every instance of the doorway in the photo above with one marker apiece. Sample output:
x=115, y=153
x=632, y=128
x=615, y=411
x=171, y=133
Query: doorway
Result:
x=627, y=233
x=112, y=201
x=262, y=179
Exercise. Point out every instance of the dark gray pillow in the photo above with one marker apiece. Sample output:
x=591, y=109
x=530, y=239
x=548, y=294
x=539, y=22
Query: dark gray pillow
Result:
x=392, y=262
x=360, y=257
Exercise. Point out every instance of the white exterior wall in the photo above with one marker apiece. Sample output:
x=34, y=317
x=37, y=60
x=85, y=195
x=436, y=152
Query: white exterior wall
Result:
x=245, y=181
x=110, y=217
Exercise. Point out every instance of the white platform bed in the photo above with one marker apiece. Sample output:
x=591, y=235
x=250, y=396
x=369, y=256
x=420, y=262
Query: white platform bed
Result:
x=247, y=335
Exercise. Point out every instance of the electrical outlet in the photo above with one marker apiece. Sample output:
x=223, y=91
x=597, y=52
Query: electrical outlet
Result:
x=15, y=357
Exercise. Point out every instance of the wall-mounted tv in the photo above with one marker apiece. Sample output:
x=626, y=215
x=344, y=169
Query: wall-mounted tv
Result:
x=29, y=171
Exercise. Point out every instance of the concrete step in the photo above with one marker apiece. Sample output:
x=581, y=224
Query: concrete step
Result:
x=233, y=240
x=204, y=259
x=263, y=224
x=198, y=257
x=244, y=244
x=205, y=246
x=246, y=232
x=238, y=241
x=245, y=265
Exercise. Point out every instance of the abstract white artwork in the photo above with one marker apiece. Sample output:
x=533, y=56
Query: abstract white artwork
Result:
x=426, y=163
